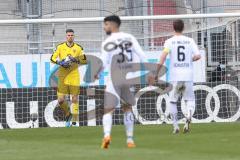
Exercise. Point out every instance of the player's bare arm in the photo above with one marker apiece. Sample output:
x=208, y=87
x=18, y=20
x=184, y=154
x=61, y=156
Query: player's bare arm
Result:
x=196, y=57
x=97, y=75
x=154, y=77
x=161, y=62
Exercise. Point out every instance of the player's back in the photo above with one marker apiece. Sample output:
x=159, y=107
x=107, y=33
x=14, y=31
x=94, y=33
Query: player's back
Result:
x=124, y=47
x=181, y=51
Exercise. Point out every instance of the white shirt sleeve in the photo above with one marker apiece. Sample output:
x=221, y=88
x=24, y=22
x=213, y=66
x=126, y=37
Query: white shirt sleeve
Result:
x=195, y=50
x=104, y=56
x=167, y=46
x=138, y=50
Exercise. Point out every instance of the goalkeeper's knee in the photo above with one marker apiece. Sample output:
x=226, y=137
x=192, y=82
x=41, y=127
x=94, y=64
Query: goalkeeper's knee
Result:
x=61, y=100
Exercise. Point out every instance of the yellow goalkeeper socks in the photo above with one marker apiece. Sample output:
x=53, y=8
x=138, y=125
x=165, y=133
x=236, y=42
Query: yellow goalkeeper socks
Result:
x=75, y=112
x=64, y=107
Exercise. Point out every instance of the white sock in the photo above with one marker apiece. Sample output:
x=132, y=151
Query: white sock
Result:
x=107, y=124
x=173, y=112
x=129, y=124
x=190, y=109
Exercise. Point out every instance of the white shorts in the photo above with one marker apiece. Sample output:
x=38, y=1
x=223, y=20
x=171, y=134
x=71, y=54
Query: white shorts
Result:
x=114, y=94
x=182, y=90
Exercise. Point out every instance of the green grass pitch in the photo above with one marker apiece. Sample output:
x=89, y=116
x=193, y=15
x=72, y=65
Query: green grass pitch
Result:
x=214, y=141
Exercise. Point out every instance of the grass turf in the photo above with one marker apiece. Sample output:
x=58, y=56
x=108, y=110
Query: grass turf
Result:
x=214, y=141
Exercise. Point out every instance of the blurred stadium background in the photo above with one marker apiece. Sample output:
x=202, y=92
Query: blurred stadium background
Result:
x=27, y=100
x=218, y=37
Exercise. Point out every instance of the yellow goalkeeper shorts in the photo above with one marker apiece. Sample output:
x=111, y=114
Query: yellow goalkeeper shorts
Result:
x=68, y=87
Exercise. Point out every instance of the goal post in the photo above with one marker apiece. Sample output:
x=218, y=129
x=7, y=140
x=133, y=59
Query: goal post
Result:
x=27, y=99
x=123, y=18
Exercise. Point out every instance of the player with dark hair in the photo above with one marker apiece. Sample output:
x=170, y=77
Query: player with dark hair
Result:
x=182, y=51
x=119, y=49
x=68, y=56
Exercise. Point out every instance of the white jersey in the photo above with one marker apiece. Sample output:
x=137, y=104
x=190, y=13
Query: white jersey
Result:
x=181, y=49
x=127, y=50
x=124, y=44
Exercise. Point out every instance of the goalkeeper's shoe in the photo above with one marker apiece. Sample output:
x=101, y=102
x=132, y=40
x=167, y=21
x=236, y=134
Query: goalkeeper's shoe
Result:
x=75, y=124
x=186, y=127
x=68, y=120
x=106, y=142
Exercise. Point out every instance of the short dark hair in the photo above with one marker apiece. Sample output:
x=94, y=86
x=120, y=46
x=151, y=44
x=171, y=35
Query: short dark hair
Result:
x=69, y=30
x=113, y=18
x=178, y=25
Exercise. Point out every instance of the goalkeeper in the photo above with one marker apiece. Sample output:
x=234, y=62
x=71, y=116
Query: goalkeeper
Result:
x=68, y=55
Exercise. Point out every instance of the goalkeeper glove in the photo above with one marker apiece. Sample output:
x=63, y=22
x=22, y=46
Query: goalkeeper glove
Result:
x=72, y=59
x=64, y=64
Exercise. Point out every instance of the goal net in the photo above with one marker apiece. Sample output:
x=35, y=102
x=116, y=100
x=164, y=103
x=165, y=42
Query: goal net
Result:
x=28, y=94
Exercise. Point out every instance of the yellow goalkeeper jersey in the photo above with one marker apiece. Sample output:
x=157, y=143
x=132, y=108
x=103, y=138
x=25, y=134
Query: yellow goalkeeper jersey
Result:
x=71, y=75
